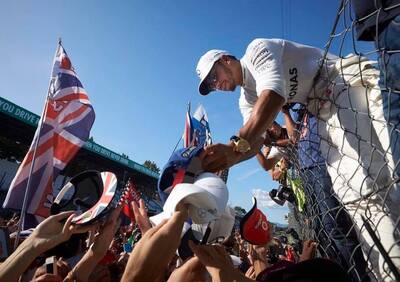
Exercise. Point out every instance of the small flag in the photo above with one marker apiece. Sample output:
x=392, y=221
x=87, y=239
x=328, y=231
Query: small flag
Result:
x=197, y=129
x=130, y=195
x=201, y=127
x=188, y=131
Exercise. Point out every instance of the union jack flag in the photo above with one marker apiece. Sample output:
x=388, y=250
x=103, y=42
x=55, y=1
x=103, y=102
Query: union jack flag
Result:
x=66, y=123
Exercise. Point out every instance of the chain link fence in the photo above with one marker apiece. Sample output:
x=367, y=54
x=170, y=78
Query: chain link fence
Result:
x=344, y=169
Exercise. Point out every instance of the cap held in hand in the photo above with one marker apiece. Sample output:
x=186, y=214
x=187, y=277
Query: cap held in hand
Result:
x=206, y=198
x=254, y=226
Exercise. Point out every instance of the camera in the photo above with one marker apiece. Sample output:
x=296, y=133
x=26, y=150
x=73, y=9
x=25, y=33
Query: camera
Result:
x=282, y=194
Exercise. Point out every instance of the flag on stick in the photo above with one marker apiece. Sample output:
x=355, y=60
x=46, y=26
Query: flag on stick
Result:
x=130, y=195
x=197, y=129
x=201, y=127
x=188, y=131
x=63, y=129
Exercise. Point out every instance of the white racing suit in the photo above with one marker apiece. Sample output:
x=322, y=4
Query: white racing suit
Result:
x=355, y=144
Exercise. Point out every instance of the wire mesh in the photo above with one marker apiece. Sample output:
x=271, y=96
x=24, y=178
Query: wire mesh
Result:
x=346, y=161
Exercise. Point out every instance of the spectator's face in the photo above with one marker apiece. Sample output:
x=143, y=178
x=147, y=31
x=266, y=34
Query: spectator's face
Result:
x=275, y=131
x=277, y=174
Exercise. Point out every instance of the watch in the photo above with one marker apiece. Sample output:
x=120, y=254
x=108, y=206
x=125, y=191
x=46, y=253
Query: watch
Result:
x=241, y=144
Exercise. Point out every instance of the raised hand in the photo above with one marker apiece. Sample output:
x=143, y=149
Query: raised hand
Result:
x=217, y=262
x=101, y=242
x=48, y=234
x=218, y=157
x=141, y=217
x=191, y=270
x=55, y=230
x=103, y=238
x=151, y=255
x=309, y=248
x=258, y=258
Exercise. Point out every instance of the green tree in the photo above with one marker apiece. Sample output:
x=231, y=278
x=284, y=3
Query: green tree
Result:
x=239, y=211
x=152, y=166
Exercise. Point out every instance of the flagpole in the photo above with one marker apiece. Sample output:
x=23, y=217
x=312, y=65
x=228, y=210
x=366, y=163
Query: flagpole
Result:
x=37, y=136
x=180, y=138
x=177, y=143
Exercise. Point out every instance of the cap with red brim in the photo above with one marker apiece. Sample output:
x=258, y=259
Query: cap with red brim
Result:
x=254, y=226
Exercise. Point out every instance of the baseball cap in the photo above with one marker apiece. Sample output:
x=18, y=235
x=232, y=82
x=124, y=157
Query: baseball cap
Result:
x=108, y=201
x=219, y=228
x=254, y=226
x=183, y=166
x=205, y=65
x=206, y=233
x=206, y=198
x=90, y=194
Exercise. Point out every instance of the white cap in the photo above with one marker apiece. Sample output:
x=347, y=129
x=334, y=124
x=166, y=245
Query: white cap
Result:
x=207, y=198
x=214, y=184
x=221, y=227
x=205, y=65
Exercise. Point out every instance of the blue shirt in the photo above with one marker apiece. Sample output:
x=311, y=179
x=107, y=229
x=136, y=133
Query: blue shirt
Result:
x=308, y=146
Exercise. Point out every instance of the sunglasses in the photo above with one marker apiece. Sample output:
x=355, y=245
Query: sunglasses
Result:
x=212, y=78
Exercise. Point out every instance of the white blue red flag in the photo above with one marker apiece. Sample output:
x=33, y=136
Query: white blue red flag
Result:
x=66, y=123
x=202, y=134
x=188, y=131
x=197, y=129
x=201, y=127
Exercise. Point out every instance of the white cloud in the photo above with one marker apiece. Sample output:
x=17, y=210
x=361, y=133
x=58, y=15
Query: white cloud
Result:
x=263, y=199
x=248, y=174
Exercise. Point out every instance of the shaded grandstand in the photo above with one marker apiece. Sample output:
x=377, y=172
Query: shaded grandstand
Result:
x=17, y=128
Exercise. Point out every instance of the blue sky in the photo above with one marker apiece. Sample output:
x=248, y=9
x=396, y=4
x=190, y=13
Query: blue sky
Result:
x=137, y=61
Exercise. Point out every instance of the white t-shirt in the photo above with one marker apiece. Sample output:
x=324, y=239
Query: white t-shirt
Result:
x=286, y=67
x=277, y=152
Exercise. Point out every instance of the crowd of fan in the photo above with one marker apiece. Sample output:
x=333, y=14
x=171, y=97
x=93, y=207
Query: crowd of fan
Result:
x=107, y=251
x=104, y=251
